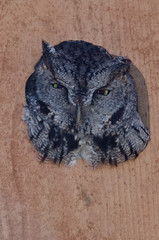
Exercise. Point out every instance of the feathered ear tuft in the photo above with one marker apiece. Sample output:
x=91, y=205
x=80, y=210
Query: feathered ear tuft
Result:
x=47, y=48
x=120, y=66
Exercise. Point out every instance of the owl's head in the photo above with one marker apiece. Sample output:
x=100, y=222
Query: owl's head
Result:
x=82, y=84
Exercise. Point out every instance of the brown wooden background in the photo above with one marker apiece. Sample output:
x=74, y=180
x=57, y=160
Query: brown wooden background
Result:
x=45, y=201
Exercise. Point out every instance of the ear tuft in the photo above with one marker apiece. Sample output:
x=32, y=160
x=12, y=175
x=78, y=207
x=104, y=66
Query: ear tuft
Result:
x=47, y=48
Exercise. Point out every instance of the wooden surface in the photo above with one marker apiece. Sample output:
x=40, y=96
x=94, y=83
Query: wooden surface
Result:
x=48, y=202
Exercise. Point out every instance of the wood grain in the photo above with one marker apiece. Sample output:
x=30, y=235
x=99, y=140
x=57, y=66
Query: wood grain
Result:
x=45, y=201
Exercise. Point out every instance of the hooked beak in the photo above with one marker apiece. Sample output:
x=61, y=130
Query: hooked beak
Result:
x=78, y=115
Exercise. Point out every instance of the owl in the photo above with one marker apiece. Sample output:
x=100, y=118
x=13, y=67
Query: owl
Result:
x=81, y=103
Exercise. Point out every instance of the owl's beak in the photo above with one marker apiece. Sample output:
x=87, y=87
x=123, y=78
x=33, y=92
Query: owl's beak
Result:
x=78, y=115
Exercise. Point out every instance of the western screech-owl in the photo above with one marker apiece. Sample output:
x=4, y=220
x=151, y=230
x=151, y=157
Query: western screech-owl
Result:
x=82, y=103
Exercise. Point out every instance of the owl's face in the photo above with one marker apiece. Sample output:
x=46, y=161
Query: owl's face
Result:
x=82, y=96
x=79, y=93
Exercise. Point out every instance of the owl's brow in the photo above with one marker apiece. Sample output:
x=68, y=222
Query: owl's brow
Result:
x=115, y=68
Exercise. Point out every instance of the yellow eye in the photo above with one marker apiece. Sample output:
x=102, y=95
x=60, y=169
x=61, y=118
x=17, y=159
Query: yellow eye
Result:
x=106, y=92
x=102, y=91
x=55, y=85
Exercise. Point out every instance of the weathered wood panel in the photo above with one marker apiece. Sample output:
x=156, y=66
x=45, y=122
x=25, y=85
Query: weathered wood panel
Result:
x=45, y=201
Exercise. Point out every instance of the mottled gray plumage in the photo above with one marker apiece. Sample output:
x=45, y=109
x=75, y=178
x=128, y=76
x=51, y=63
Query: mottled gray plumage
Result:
x=82, y=103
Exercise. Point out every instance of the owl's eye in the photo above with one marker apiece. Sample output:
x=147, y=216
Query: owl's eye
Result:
x=58, y=86
x=102, y=91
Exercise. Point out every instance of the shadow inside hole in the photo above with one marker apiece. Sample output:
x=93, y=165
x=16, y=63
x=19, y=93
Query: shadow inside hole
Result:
x=142, y=93
x=143, y=101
